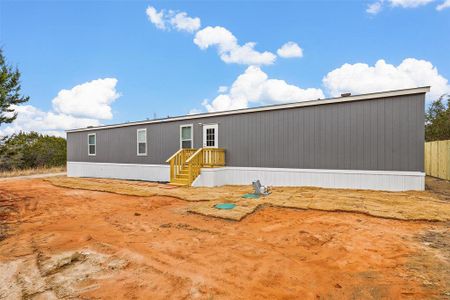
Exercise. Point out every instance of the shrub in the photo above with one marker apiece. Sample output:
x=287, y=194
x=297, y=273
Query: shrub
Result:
x=32, y=150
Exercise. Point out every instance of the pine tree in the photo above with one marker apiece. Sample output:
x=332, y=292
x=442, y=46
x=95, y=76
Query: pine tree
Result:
x=9, y=91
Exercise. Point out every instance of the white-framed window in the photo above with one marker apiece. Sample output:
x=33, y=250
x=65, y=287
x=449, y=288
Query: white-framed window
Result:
x=186, y=136
x=92, y=144
x=141, y=146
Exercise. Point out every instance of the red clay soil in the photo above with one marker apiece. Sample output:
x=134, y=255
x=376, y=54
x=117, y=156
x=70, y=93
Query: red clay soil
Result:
x=75, y=243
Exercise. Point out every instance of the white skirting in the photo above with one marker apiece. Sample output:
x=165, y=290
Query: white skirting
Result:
x=351, y=179
x=119, y=171
x=209, y=177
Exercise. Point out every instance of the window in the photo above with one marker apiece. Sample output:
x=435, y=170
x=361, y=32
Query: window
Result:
x=92, y=144
x=186, y=136
x=142, y=141
x=210, y=137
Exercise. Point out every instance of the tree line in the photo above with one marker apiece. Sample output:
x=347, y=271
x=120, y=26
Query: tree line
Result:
x=32, y=150
x=437, y=120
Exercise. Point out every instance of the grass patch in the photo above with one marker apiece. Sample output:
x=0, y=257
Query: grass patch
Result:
x=34, y=171
x=147, y=189
x=411, y=205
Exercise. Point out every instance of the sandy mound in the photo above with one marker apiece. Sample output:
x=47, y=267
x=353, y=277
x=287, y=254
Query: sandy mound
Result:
x=62, y=275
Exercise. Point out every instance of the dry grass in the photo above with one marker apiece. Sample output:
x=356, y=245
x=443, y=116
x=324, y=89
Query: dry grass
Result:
x=148, y=189
x=411, y=205
x=34, y=171
x=242, y=209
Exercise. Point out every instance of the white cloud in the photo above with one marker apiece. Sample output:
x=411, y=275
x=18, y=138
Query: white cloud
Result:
x=247, y=55
x=222, y=89
x=255, y=86
x=157, y=18
x=443, y=5
x=92, y=99
x=361, y=78
x=409, y=3
x=290, y=49
x=375, y=7
x=83, y=105
x=215, y=36
x=172, y=19
x=182, y=22
x=194, y=111
x=30, y=118
x=228, y=48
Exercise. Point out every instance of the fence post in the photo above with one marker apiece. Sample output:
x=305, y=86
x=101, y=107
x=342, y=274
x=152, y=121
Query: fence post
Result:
x=190, y=173
x=448, y=159
x=171, y=170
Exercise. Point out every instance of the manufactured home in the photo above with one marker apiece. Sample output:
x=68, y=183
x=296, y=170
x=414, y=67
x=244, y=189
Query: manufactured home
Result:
x=369, y=141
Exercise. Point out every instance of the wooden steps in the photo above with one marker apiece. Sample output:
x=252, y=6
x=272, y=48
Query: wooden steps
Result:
x=185, y=164
x=182, y=178
x=180, y=182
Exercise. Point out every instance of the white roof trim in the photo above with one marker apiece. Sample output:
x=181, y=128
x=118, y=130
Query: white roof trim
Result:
x=385, y=94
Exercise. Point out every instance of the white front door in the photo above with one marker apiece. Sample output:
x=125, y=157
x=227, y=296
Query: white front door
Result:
x=210, y=136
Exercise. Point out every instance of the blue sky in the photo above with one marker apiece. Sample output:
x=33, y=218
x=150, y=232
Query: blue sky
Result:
x=59, y=45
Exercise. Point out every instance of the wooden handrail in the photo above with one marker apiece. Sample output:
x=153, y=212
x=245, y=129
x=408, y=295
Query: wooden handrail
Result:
x=178, y=161
x=173, y=156
x=193, y=155
x=213, y=157
x=195, y=163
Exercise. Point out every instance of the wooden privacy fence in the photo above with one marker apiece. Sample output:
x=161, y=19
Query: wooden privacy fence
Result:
x=437, y=159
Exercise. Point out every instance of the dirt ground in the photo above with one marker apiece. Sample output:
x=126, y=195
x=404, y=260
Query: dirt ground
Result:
x=439, y=187
x=58, y=242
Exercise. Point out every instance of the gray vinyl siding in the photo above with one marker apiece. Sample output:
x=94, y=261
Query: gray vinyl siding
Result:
x=376, y=134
